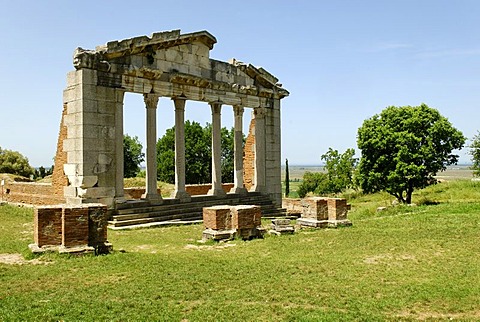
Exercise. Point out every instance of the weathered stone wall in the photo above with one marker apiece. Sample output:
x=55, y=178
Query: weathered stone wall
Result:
x=31, y=193
x=249, y=157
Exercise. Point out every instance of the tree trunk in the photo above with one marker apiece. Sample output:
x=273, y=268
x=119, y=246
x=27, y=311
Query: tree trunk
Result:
x=408, y=197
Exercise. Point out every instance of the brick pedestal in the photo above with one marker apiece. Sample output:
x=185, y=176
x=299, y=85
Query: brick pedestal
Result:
x=315, y=208
x=324, y=212
x=227, y=222
x=71, y=229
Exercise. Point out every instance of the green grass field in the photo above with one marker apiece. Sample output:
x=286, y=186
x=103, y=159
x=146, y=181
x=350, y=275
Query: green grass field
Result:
x=405, y=263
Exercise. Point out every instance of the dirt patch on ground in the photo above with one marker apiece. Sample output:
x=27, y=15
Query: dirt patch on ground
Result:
x=209, y=247
x=389, y=258
x=17, y=259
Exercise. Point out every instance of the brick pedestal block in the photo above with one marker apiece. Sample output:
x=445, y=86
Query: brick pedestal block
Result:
x=315, y=208
x=324, y=212
x=227, y=222
x=246, y=216
x=71, y=228
x=217, y=217
x=47, y=225
x=337, y=209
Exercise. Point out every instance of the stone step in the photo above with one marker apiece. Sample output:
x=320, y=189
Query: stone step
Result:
x=141, y=213
x=163, y=214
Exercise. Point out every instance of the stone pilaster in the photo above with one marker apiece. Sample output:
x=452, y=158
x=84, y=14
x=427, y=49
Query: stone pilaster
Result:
x=119, y=162
x=238, y=151
x=260, y=166
x=151, y=193
x=216, y=150
x=273, y=170
x=180, y=192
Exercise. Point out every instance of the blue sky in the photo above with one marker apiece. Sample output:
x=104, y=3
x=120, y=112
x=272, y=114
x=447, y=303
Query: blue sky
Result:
x=342, y=61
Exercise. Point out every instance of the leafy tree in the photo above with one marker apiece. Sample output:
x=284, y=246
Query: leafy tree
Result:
x=15, y=163
x=228, y=157
x=475, y=154
x=198, y=154
x=316, y=182
x=340, y=168
x=339, y=174
x=287, y=179
x=132, y=156
x=41, y=172
x=403, y=148
x=166, y=156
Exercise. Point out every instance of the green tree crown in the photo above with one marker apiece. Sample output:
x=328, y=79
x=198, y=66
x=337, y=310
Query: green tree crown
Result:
x=475, y=154
x=15, y=163
x=132, y=156
x=403, y=148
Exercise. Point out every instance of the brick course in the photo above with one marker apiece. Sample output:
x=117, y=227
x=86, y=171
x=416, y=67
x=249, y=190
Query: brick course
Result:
x=59, y=179
x=249, y=157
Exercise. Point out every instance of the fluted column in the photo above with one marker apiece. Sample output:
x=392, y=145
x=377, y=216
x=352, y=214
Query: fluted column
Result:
x=259, y=177
x=180, y=192
x=151, y=193
x=216, y=189
x=238, y=186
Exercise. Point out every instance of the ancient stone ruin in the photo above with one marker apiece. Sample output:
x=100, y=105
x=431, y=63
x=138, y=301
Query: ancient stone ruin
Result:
x=89, y=160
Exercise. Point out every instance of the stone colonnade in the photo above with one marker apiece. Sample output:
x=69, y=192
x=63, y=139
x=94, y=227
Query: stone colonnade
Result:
x=151, y=193
x=173, y=65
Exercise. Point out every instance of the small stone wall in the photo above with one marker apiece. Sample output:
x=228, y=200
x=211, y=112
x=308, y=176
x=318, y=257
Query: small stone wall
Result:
x=31, y=193
x=71, y=228
x=202, y=189
x=192, y=190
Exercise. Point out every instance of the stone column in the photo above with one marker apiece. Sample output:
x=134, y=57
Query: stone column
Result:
x=259, y=177
x=216, y=189
x=151, y=192
x=238, y=186
x=180, y=192
x=119, y=162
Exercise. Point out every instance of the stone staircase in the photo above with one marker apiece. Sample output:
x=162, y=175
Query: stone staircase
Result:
x=140, y=213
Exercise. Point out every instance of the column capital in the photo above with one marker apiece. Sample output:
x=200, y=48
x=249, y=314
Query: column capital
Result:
x=151, y=100
x=216, y=107
x=179, y=103
x=238, y=110
x=259, y=112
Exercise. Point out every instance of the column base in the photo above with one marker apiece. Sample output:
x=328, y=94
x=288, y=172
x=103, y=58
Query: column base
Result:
x=238, y=190
x=121, y=199
x=216, y=192
x=258, y=189
x=152, y=197
x=182, y=195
